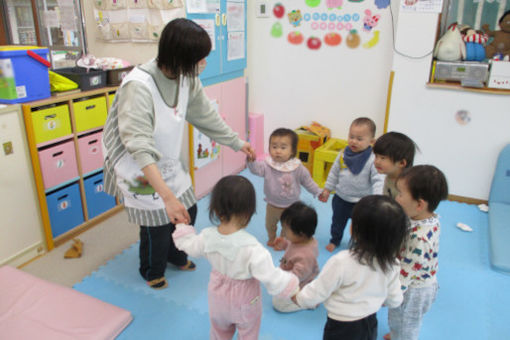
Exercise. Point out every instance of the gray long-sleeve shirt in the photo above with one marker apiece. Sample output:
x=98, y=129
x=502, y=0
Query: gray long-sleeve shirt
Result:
x=130, y=126
x=350, y=187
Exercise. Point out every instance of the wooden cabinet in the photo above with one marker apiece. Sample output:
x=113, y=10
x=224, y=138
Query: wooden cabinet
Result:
x=21, y=236
x=231, y=99
x=225, y=83
x=226, y=23
x=64, y=139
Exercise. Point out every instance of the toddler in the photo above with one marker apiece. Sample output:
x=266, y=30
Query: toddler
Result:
x=352, y=176
x=356, y=282
x=420, y=189
x=239, y=262
x=394, y=152
x=283, y=176
x=299, y=222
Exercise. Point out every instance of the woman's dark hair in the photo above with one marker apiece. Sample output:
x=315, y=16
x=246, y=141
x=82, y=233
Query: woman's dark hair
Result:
x=284, y=132
x=426, y=182
x=300, y=218
x=232, y=196
x=397, y=147
x=379, y=228
x=182, y=44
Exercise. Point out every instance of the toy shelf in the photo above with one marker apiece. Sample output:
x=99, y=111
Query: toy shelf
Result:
x=458, y=87
x=64, y=140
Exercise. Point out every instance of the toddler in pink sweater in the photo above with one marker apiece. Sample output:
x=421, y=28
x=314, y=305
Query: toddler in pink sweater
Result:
x=298, y=222
x=283, y=176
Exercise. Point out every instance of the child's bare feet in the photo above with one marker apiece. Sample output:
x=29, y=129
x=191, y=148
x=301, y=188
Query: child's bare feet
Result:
x=270, y=243
x=387, y=336
x=330, y=247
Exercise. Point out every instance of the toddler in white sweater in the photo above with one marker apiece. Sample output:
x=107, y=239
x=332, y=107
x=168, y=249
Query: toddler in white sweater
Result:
x=356, y=282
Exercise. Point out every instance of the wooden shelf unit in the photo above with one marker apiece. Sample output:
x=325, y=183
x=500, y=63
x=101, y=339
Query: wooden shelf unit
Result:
x=28, y=113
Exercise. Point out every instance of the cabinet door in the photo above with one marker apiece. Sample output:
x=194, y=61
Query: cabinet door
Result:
x=21, y=226
x=233, y=108
x=233, y=36
x=211, y=22
x=206, y=177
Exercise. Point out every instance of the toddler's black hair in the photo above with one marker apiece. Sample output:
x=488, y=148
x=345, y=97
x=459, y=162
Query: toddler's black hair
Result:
x=182, y=44
x=426, y=182
x=284, y=132
x=379, y=228
x=300, y=218
x=365, y=121
x=232, y=196
x=397, y=147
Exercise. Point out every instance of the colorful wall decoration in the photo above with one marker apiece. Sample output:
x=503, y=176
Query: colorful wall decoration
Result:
x=316, y=24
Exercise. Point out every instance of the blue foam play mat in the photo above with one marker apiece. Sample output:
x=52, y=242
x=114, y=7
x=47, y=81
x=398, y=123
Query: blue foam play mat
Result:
x=473, y=300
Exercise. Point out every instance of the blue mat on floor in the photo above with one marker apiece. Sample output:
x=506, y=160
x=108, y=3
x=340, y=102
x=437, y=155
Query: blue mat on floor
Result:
x=472, y=302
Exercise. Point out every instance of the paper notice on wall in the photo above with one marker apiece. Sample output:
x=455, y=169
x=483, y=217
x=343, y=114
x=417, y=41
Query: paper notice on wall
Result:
x=208, y=26
x=427, y=6
x=235, y=16
x=196, y=6
x=235, y=44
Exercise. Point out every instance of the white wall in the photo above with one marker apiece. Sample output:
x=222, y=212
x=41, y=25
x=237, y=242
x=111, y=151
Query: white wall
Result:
x=465, y=153
x=292, y=85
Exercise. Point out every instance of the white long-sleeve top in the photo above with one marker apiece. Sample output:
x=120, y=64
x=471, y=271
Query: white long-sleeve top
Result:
x=238, y=255
x=350, y=290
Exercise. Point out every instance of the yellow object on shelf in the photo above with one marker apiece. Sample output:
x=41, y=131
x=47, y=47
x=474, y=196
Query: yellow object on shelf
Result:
x=324, y=157
x=90, y=113
x=310, y=137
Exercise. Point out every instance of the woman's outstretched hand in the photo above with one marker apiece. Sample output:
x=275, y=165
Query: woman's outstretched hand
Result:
x=248, y=150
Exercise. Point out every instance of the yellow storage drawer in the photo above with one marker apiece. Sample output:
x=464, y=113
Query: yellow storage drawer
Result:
x=51, y=123
x=111, y=96
x=90, y=113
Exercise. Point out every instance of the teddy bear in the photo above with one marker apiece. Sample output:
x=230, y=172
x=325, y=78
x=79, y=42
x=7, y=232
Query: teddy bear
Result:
x=501, y=41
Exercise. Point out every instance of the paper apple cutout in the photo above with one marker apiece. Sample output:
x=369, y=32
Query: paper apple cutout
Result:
x=332, y=39
x=295, y=38
x=279, y=10
x=313, y=43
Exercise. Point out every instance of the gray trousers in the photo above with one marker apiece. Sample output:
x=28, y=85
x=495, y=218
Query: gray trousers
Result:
x=405, y=321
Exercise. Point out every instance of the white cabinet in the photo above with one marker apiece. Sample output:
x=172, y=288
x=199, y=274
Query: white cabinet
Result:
x=21, y=232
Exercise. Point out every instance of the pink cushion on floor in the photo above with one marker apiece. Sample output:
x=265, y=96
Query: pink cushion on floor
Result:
x=32, y=308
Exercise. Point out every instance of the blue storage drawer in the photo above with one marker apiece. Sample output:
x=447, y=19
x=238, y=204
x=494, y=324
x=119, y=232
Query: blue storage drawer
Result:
x=97, y=200
x=64, y=208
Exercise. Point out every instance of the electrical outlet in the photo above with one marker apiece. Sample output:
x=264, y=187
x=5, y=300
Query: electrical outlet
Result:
x=263, y=10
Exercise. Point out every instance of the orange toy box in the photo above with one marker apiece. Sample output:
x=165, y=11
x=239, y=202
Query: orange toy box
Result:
x=310, y=138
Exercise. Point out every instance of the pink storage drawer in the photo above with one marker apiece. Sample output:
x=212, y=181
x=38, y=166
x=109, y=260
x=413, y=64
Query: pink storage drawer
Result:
x=91, y=154
x=58, y=164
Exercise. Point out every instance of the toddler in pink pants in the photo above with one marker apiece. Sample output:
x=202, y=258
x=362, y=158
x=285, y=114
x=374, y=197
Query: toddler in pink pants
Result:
x=239, y=262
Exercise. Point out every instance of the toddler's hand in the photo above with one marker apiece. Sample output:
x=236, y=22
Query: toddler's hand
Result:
x=323, y=197
x=293, y=298
x=279, y=243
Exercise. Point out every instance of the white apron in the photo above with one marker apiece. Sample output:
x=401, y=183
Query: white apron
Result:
x=168, y=131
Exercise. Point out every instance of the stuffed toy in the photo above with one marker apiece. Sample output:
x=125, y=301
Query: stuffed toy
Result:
x=450, y=47
x=475, y=44
x=501, y=42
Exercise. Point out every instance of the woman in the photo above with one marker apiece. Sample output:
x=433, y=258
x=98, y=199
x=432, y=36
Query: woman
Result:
x=142, y=142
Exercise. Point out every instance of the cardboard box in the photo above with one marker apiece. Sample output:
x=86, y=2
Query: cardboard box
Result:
x=499, y=77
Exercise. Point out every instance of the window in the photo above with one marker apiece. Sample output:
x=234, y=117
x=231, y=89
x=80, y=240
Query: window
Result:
x=473, y=13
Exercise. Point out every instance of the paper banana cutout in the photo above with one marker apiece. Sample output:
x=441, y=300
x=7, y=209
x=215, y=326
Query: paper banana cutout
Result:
x=373, y=41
